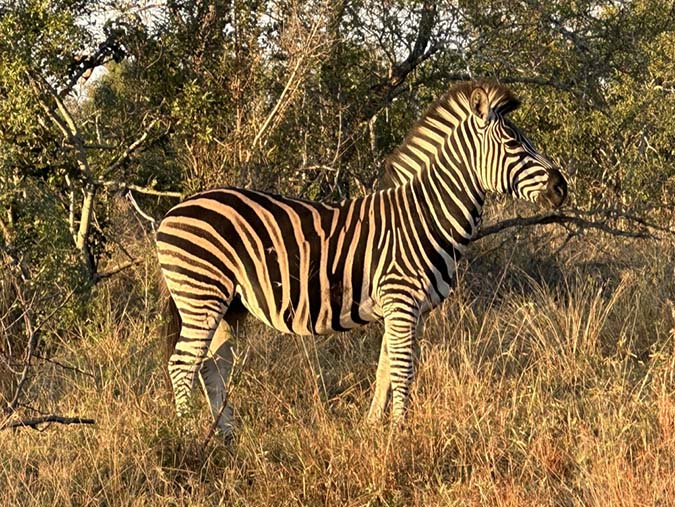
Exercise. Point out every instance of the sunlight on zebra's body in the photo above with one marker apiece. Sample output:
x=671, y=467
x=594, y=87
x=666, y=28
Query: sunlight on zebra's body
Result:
x=309, y=268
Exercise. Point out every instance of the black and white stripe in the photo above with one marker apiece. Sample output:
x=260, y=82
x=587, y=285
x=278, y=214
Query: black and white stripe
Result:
x=306, y=268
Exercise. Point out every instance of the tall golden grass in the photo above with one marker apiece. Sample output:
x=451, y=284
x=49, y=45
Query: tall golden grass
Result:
x=541, y=383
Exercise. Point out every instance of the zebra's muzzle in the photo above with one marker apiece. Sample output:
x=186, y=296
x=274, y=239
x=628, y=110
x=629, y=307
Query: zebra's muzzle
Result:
x=556, y=189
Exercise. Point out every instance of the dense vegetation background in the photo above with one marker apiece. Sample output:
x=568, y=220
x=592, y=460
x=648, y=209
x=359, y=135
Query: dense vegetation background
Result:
x=547, y=380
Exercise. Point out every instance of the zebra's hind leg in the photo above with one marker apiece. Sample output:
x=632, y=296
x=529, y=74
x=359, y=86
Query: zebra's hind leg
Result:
x=197, y=330
x=215, y=375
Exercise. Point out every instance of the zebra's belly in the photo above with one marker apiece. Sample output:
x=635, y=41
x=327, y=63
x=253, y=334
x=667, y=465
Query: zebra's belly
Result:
x=368, y=311
x=327, y=317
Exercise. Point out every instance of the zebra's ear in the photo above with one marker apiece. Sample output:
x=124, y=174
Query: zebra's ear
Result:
x=480, y=106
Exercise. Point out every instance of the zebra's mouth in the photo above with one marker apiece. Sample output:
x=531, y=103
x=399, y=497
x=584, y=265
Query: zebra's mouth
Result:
x=555, y=193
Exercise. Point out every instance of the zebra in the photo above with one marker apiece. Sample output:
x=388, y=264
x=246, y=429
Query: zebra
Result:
x=312, y=268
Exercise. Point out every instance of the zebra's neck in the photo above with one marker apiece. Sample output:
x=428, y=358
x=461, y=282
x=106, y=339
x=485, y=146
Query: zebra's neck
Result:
x=425, y=140
x=450, y=196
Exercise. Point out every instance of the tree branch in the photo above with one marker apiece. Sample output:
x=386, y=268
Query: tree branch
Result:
x=427, y=21
x=107, y=50
x=120, y=185
x=122, y=157
x=36, y=421
x=64, y=366
x=576, y=218
x=117, y=269
x=400, y=71
x=65, y=122
x=310, y=49
x=32, y=343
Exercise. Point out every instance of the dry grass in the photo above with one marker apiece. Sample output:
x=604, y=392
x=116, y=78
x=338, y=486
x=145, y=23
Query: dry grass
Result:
x=556, y=392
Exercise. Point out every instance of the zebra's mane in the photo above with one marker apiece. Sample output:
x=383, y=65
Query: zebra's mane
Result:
x=396, y=170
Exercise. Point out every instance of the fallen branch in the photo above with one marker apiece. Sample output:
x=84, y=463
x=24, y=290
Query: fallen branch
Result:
x=36, y=421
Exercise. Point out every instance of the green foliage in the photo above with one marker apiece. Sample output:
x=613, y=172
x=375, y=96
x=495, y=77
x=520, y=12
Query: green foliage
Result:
x=307, y=98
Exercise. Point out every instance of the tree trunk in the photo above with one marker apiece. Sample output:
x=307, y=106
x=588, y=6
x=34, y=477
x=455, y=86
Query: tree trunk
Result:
x=81, y=242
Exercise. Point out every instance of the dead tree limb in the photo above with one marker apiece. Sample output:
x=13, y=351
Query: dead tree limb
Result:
x=117, y=269
x=598, y=220
x=120, y=185
x=45, y=419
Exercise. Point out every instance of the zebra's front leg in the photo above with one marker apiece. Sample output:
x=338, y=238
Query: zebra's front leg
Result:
x=399, y=333
x=382, y=386
x=215, y=376
x=382, y=392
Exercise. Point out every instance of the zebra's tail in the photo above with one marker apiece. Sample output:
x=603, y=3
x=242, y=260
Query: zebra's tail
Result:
x=170, y=328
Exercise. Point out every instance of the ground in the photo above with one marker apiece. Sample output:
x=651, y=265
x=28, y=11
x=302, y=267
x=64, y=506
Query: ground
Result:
x=547, y=379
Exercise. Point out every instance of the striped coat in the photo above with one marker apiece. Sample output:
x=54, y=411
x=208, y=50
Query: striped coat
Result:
x=307, y=268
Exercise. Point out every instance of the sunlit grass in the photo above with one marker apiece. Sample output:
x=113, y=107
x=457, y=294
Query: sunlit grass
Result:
x=530, y=393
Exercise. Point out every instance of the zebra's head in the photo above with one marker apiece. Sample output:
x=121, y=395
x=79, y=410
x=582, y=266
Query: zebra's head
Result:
x=507, y=161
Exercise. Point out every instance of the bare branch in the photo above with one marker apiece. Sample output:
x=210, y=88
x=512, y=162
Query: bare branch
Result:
x=574, y=217
x=50, y=112
x=120, y=185
x=36, y=421
x=124, y=156
x=426, y=25
x=417, y=55
x=291, y=86
x=64, y=366
x=33, y=339
x=117, y=269
x=64, y=120
x=142, y=213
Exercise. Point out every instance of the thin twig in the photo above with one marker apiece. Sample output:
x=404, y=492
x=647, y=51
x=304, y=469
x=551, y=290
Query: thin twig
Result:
x=126, y=154
x=33, y=339
x=214, y=426
x=64, y=366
